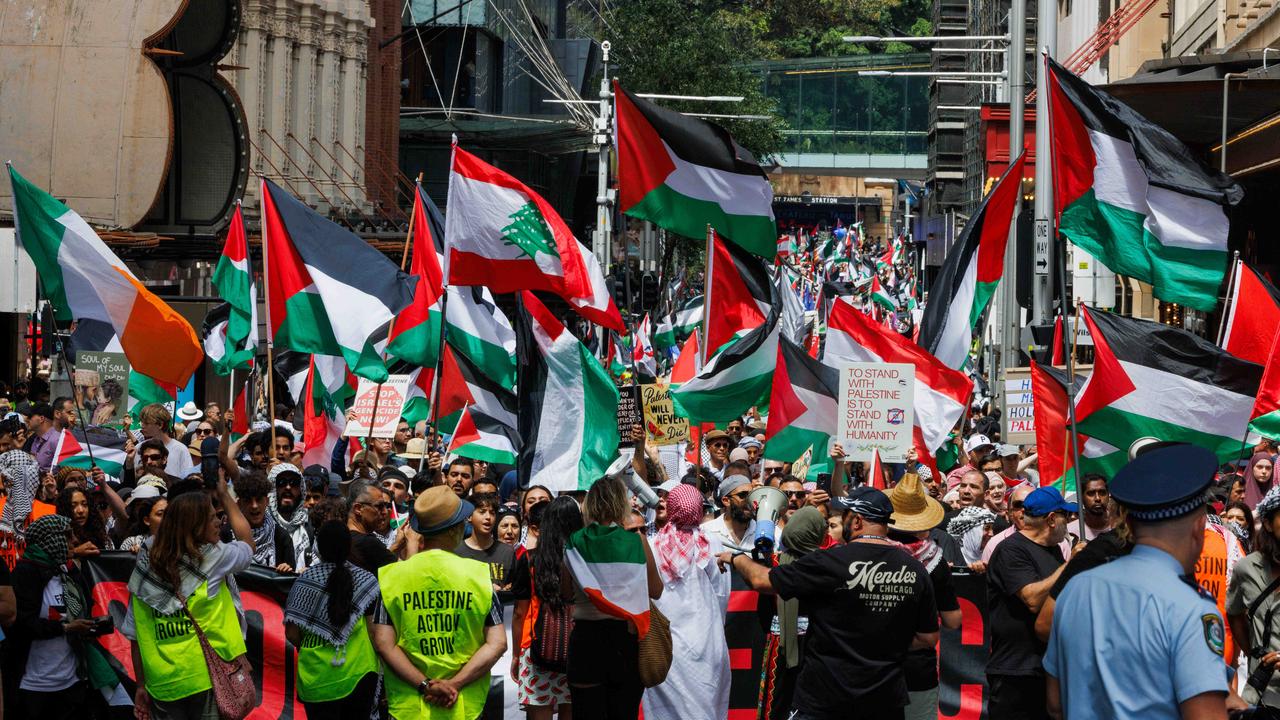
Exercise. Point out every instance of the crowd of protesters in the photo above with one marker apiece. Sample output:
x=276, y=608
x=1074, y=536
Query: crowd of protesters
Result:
x=409, y=565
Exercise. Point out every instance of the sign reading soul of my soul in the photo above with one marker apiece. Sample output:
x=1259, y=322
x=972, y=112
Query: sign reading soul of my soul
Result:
x=661, y=423
x=389, y=399
x=876, y=410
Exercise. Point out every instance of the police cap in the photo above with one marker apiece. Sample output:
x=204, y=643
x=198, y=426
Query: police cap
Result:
x=1165, y=483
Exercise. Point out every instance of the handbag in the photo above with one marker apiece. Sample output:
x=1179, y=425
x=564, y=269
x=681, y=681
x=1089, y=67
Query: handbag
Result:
x=232, y=680
x=655, y=649
x=551, y=629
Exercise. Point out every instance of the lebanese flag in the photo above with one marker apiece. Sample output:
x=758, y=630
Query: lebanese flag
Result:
x=565, y=396
x=501, y=234
x=741, y=294
x=1253, y=317
x=329, y=292
x=415, y=335
x=1129, y=193
x=683, y=174
x=83, y=280
x=875, y=473
x=941, y=394
x=970, y=272
x=802, y=404
x=235, y=342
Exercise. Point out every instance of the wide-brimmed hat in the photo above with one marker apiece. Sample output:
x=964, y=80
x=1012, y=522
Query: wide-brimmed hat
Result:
x=189, y=412
x=913, y=509
x=415, y=449
x=437, y=509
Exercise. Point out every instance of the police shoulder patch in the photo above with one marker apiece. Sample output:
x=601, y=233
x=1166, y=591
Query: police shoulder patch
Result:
x=1213, y=633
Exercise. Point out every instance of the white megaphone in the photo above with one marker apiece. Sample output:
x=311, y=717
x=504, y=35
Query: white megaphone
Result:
x=621, y=469
x=768, y=502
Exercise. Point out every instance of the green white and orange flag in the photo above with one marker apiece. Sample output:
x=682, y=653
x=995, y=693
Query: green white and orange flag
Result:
x=84, y=280
x=610, y=567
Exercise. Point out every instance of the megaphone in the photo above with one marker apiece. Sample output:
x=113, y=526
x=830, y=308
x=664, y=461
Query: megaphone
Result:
x=621, y=469
x=769, y=502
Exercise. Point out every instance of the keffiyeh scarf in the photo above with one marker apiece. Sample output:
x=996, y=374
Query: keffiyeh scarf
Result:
x=308, y=605
x=926, y=551
x=157, y=593
x=295, y=526
x=21, y=470
x=680, y=545
x=967, y=527
x=48, y=548
x=264, y=542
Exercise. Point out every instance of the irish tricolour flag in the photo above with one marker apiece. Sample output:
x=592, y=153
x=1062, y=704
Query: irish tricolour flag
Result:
x=609, y=565
x=565, y=395
x=84, y=280
x=1133, y=196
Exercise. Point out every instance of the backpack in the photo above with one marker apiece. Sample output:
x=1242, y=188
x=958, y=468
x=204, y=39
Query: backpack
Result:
x=550, y=643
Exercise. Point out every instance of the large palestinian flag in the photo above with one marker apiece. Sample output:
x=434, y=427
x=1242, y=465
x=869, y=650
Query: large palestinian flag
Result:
x=480, y=331
x=83, y=449
x=565, y=398
x=1253, y=316
x=734, y=380
x=1053, y=434
x=941, y=393
x=683, y=174
x=480, y=437
x=462, y=385
x=83, y=280
x=1132, y=195
x=971, y=272
x=1153, y=380
x=415, y=335
x=234, y=344
x=802, y=404
x=328, y=291
x=501, y=234
x=741, y=296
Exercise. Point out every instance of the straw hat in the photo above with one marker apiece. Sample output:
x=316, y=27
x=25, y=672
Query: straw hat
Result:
x=415, y=449
x=437, y=509
x=913, y=509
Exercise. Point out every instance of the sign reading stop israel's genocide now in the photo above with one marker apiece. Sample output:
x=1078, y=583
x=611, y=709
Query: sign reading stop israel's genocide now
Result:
x=376, y=409
x=876, y=410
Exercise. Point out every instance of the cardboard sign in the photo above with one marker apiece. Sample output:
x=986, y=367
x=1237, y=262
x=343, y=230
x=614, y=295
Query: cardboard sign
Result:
x=1019, y=411
x=102, y=387
x=661, y=423
x=388, y=399
x=629, y=413
x=876, y=410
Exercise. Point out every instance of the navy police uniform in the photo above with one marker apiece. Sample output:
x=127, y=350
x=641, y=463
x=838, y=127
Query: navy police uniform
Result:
x=1136, y=637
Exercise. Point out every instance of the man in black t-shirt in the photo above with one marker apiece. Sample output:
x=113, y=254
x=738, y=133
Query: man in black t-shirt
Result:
x=868, y=602
x=1022, y=570
x=368, y=515
x=483, y=546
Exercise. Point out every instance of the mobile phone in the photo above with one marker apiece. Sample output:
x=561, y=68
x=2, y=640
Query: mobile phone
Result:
x=824, y=482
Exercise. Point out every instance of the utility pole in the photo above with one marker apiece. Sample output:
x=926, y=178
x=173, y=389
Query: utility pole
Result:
x=1011, y=314
x=1045, y=232
x=604, y=196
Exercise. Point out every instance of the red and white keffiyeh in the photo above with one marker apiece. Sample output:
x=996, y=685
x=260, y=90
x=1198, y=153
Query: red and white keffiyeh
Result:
x=681, y=546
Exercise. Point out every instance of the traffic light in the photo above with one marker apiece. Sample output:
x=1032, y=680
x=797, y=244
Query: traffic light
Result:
x=648, y=293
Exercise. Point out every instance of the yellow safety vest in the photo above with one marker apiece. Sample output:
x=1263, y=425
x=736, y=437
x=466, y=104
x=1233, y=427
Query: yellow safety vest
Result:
x=329, y=673
x=171, y=655
x=437, y=602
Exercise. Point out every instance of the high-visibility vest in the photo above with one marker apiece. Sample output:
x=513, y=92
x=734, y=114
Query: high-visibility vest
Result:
x=329, y=673
x=437, y=602
x=171, y=656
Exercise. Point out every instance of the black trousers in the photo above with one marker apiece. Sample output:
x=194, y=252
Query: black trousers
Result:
x=603, y=673
x=1016, y=697
x=69, y=704
x=355, y=706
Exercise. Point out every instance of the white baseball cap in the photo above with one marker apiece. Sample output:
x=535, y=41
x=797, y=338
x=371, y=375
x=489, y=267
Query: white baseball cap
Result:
x=976, y=441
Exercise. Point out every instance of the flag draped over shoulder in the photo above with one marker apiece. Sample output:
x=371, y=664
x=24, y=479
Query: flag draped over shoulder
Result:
x=1134, y=196
x=802, y=404
x=610, y=567
x=565, y=397
x=234, y=279
x=1153, y=380
x=415, y=335
x=683, y=174
x=84, y=280
x=329, y=292
x=501, y=234
x=970, y=273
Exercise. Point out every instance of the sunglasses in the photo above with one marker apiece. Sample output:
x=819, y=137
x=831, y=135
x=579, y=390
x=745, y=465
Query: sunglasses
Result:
x=1015, y=505
x=718, y=444
x=288, y=482
x=204, y=431
x=796, y=493
x=739, y=495
x=152, y=457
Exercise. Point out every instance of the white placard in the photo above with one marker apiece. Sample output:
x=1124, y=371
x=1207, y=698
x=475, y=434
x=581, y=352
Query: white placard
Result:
x=389, y=398
x=876, y=410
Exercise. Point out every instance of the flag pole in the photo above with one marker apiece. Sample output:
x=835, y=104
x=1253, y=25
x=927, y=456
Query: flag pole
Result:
x=434, y=414
x=706, y=296
x=1231, y=286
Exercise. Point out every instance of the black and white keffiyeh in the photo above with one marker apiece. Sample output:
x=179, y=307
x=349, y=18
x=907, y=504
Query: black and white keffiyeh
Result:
x=20, y=469
x=308, y=604
x=156, y=591
x=264, y=542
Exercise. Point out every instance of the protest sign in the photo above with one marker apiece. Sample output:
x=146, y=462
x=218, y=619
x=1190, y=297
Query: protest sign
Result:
x=661, y=423
x=102, y=387
x=387, y=399
x=629, y=412
x=1019, y=411
x=876, y=410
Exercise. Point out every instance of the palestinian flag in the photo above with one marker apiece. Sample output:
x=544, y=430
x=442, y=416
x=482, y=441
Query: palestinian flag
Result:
x=683, y=174
x=971, y=272
x=323, y=421
x=233, y=346
x=941, y=394
x=501, y=234
x=417, y=406
x=610, y=567
x=1053, y=434
x=328, y=291
x=84, y=280
x=791, y=318
x=83, y=449
x=463, y=384
x=1132, y=195
x=689, y=317
x=802, y=404
x=565, y=397
x=480, y=437
x=291, y=371
x=642, y=357
x=415, y=334
x=479, y=331
x=733, y=381
x=1264, y=418
x=1153, y=380
x=881, y=297
x=875, y=471
x=240, y=411
x=617, y=352
x=686, y=366
x=1253, y=316
x=664, y=337
x=741, y=295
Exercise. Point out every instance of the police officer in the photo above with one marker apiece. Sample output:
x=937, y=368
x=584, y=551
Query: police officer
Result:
x=1136, y=637
x=441, y=630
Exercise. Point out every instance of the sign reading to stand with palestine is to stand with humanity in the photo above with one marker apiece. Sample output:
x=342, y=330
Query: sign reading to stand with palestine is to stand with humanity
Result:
x=876, y=410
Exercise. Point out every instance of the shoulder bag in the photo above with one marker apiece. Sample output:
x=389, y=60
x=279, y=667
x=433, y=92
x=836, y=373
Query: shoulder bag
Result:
x=655, y=649
x=232, y=680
